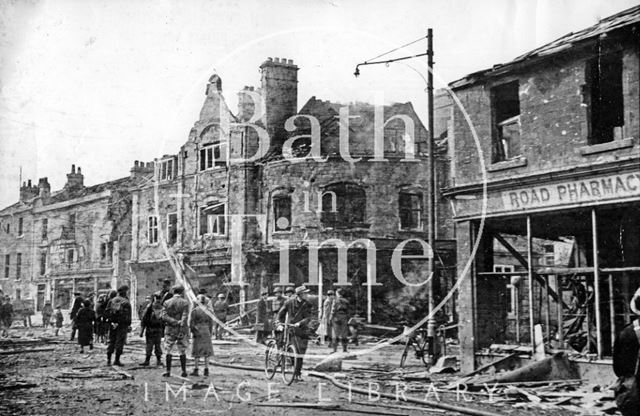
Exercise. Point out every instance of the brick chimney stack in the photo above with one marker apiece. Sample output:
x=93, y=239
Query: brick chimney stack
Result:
x=27, y=191
x=74, y=180
x=44, y=189
x=141, y=169
x=280, y=92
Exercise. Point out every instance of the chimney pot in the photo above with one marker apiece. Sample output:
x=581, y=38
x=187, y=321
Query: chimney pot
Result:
x=290, y=61
x=29, y=183
x=79, y=172
x=73, y=168
x=270, y=59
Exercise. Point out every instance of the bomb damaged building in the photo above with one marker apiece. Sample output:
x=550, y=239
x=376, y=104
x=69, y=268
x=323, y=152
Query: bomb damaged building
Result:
x=557, y=148
x=75, y=239
x=267, y=196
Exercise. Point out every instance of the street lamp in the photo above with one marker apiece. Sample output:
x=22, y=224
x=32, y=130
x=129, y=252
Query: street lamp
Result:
x=431, y=324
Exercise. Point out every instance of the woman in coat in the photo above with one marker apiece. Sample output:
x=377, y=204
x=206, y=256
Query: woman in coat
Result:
x=201, y=328
x=84, y=322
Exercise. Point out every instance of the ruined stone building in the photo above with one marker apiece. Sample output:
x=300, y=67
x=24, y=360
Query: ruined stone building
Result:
x=77, y=239
x=245, y=204
x=558, y=150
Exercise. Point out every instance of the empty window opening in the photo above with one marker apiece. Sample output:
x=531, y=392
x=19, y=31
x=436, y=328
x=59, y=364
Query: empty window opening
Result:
x=212, y=220
x=152, y=231
x=410, y=207
x=605, y=98
x=350, y=205
x=282, y=212
x=172, y=229
x=213, y=155
x=505, y=106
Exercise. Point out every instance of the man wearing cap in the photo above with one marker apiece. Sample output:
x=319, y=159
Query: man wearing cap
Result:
x=626, y=362
x=262, y=318
x=297, y=311
x=326, y=312
x=118, y=311
x=175, y=314
x=277, y=303
x=166, y=290
x=220, y=308
x=290, y=292
x=77, y=304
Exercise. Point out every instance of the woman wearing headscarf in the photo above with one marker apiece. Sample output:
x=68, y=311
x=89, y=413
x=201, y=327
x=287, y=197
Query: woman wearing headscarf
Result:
x=201, y=328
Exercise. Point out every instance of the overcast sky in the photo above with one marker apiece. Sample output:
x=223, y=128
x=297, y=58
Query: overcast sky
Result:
x=101, y=83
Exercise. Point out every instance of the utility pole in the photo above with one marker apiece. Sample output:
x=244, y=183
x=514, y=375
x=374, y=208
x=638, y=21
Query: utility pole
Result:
x=431, y=160
x=431, y=324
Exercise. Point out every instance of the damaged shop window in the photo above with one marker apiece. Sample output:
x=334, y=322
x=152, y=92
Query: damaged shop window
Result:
x=152, y=229
x=604, y=98
x=213, y=155
x=168, y=168
x=410, y=210
x=505, y=109
x=282, y=212
x=350, y=206
x=212, y=220
x=172, y=228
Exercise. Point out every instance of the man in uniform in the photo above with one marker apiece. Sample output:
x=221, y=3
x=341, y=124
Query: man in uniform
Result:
x=262, y=318
x=277, y=302
x=220, y=309
x=77, y=304
x=298, y=310
x=339, y=318
x=289, y=292
x=119, y=313
x=175, y=314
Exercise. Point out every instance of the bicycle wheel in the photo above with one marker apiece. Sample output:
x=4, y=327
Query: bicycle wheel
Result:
x=271, y=359
x=289, y=364
x=405, y=353
x=425, y=353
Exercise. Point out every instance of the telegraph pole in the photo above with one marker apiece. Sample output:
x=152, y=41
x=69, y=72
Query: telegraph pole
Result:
x=431, y=160
x=431, y=324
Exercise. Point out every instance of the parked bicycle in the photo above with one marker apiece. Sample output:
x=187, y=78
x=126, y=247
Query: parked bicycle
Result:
x=281, y=354
x=419, y=342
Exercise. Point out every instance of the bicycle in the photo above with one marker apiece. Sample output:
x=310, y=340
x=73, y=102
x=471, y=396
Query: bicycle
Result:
x=419, y=341
x=281, y=354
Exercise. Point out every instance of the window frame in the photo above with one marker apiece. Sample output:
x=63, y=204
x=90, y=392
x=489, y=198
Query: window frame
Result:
x=168, y=169
x=43, y=263
x=20, y=226
x=275, y=199
x=500, y=147
x=209, y=230
x=420, y=209
x=45, y=229
x=207, y=156
x=18, y=266
x=169, y=231
x=7, y=266
x=152, y=229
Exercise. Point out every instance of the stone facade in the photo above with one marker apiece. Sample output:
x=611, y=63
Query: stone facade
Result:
x=73, y=240
x=557, y=163
x=286, y=195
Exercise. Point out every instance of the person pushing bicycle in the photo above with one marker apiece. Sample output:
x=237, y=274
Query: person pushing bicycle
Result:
x=299, y=311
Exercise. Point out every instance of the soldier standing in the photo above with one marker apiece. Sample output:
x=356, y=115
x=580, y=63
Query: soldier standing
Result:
x=119, y=313
x=220, y=309
x=152, y=327
x=175, y=314
x=299, y=311
x=339, y=318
